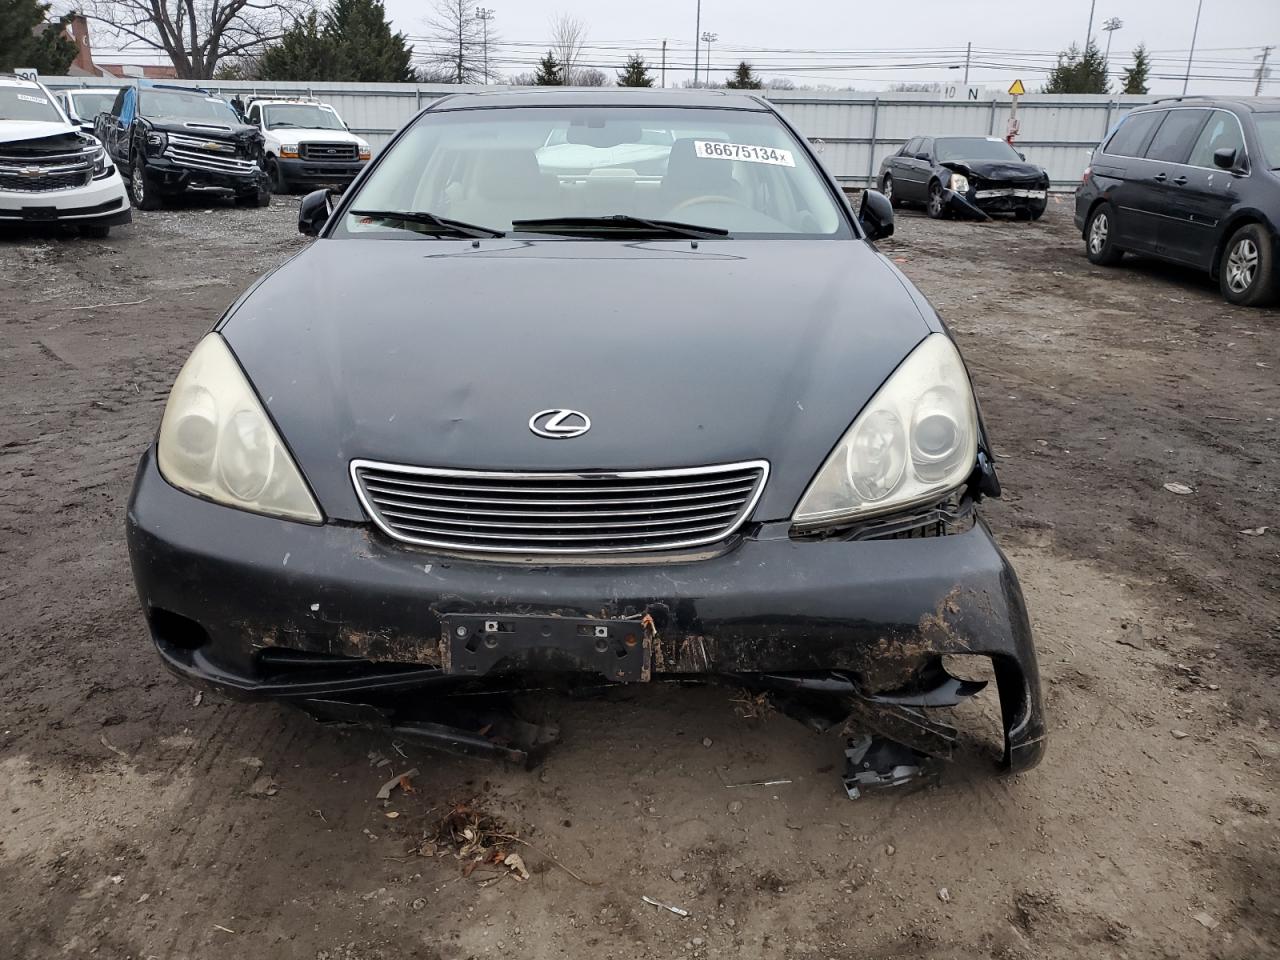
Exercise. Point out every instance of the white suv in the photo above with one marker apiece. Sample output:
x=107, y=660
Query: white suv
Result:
x=307, y=144
x=50, y=172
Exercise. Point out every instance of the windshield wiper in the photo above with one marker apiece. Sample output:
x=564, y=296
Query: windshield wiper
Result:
x=616, y=223
x=442, y=226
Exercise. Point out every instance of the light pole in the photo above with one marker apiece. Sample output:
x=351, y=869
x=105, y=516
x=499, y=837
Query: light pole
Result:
x=709, y=38
x=697, y=47
x=1111, y=26
x=1194, y=30
x=484, y=15
x=1088, y=35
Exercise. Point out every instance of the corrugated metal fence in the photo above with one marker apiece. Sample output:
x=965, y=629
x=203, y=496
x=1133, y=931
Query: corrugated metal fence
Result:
x=857, y=130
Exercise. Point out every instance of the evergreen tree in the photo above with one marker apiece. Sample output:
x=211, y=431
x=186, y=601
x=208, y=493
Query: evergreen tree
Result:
x=634, y=73
x=305, y=52
x=1135, y=77
x=743, y=78
x=351, y=41
x=549, y=73
x=24, y=44
x=1079, y=73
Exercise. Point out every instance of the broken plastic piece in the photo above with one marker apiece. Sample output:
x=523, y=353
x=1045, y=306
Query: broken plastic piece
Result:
x=874, y=763
x=678, y=911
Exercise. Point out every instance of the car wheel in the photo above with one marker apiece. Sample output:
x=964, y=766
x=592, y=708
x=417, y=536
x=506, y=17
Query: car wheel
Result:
x=97, y=231
x=1247, y=271
x=1037, y=210
x=886, y=187
x=935, y=207
x=278, y=182
x=142, y=188
x=1021, y=213
x=1099, y=237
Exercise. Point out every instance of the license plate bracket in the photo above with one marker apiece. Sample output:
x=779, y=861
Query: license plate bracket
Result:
x=476, y=644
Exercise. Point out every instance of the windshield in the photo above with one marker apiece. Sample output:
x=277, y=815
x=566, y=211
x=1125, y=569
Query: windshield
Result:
x=1268, y=125
x=27, y=103
x=954, y=149
x=307, y=116
x=183, y=105
x=89, y=105
x=735, y=170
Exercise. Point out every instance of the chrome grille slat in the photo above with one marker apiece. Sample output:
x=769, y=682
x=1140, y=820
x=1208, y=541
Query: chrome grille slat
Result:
x=545, y=514
x=476, y=511
x=310, y=150
x=600, y=525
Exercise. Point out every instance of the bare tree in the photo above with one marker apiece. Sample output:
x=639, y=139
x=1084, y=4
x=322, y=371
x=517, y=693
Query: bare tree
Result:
x=568, y=35
x=457, y=39
x=196, y=35
x=591, y=77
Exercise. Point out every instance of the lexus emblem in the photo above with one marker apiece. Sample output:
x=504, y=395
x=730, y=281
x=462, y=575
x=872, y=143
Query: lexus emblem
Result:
x=559, y=424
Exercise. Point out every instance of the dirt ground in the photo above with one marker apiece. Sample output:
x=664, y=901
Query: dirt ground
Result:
x=130, y=825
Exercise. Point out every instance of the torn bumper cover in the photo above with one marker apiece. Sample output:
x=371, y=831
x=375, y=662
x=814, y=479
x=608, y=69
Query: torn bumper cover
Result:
x=258, y=607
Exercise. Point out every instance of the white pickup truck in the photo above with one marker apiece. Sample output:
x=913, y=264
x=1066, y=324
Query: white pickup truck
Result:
x=307, y=143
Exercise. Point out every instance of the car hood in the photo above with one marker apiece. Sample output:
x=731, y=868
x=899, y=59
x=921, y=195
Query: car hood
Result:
x=13, y=131
x=438, y=353
x=316, y=133
x=214, y=131
x=997, y=169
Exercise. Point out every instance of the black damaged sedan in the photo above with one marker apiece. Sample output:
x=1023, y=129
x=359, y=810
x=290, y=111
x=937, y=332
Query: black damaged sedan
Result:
x=965, y=177
x=589, y=387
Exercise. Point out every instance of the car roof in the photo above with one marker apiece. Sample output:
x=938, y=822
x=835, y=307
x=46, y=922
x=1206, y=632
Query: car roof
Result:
x=1246, y=104
x=603, y=96
x=10, y=80
x=158, y=85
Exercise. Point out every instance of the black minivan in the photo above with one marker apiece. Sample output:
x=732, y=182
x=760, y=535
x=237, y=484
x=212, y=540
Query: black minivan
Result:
x=1196, y=181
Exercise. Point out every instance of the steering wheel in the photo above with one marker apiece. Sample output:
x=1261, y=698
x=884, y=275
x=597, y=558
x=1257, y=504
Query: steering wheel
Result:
x=710, y=198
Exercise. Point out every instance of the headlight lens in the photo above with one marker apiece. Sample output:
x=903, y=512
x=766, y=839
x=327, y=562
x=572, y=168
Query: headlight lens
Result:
x=365, y=152
x=101, y=164
x=156, y=142
x=959, y=183
x=217, y=442
x=289, y=150
x=916, y=441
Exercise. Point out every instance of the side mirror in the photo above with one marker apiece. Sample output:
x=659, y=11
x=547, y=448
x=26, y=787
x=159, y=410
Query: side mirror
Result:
x=1225, y=157
x=922, y=156
x=313, y=213
x=876, y=215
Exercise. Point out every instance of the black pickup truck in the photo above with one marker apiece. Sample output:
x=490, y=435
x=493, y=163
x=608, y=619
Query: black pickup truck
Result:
x=168, y=140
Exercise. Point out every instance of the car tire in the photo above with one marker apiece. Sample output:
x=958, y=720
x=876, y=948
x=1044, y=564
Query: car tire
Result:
x=1247, y=268
x=1037, y=210
x=279, y=183
x=142, y=188
x=259, y=198
x=886, y=187
x=95, y=231
x=1099, y=237
x=935, y=206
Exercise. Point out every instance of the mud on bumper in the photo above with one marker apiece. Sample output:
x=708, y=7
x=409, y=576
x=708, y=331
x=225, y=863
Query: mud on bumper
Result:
x=264, y=608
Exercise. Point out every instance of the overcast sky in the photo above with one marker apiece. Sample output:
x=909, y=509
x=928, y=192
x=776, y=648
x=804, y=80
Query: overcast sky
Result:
x=1231, y=33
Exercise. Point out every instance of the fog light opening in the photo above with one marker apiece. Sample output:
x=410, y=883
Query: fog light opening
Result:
x=175, y=630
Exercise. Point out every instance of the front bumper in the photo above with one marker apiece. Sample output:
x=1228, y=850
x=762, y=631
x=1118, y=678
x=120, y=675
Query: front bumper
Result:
x=100, y=201
x=988, y=199
x=225, y=592
x=321, y=171
x=174, y=177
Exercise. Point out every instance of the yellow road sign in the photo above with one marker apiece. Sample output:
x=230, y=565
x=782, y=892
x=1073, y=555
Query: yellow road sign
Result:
x=1017, y=89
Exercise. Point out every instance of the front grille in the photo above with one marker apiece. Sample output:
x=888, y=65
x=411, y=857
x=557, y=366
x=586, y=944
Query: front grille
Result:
x=559, y=513
x=45, y=182
x=217, y=156
x=25, y=173
x=327, y=151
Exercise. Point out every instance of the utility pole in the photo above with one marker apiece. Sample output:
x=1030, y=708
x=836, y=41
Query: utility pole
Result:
x=664, y=64
x=968, y=52
x=1111, y=26
x=709, y=38
x=484, y=15
x=1262, y=69
x=697, y=48
x=1194, y=30
x=1088, y=34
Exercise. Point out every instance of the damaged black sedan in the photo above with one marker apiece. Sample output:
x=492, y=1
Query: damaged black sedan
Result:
x=586, y=385
x=970, y=177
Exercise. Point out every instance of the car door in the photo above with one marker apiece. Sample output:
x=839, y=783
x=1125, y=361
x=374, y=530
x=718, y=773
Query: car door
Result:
x=1210, y=192
x=1118, y=166
x=1160, y=197
x=917, y=169
x=108, y=127
x=901, y=171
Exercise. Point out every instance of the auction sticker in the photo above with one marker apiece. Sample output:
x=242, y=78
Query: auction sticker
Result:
x=23, y=96
x=718, y=150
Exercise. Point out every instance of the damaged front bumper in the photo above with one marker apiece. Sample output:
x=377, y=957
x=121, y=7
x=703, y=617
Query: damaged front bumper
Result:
x=259, y=607
x=980, y=202
x=177, y=177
